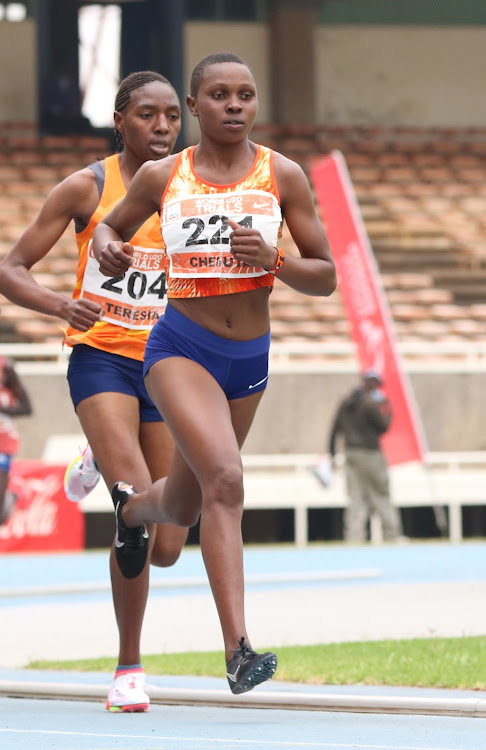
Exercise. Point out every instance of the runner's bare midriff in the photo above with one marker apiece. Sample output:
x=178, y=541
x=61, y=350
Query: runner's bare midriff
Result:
x=241, y=317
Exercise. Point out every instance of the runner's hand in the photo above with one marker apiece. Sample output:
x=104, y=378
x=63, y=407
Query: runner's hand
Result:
x=248, y=246
x=116, y=258
x=83, y=314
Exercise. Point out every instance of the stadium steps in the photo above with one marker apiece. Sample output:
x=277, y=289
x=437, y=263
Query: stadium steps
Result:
x=422, y=194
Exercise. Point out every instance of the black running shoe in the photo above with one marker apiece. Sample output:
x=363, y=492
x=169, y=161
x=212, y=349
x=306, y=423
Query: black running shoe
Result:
x=131, y=545
x=247, y=668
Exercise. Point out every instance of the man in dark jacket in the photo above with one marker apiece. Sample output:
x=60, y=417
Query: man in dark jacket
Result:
x=361, y=419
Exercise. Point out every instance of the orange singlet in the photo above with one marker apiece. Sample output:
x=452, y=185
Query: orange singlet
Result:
x=132, y=302
x=195, y=229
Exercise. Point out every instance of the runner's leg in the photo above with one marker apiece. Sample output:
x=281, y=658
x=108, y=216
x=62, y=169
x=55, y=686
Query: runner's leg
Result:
x=206, y=477
x=110, y=421
x=158, y=449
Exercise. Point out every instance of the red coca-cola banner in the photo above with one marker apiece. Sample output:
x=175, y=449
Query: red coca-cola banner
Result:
x=43, y=519
x=365, y=304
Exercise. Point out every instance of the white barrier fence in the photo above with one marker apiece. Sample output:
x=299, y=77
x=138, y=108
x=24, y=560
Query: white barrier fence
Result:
x=311, y=356
x=278, y=481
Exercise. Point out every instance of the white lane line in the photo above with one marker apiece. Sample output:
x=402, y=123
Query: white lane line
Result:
x=233, y=742
x=312, y=576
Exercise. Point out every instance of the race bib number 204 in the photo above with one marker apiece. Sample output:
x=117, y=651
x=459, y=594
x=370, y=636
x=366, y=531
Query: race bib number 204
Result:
x=135, y=299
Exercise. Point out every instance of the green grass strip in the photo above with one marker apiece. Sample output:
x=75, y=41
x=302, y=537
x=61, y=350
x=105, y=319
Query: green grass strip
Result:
x=422, y=662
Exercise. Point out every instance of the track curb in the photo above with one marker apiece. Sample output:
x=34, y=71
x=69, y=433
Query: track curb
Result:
x=286, y=700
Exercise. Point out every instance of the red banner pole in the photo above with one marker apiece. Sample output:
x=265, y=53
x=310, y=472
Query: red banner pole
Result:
x=365, y=304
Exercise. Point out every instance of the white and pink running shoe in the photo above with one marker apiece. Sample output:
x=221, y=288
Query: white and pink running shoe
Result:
x=127, y=693
x=81, y=476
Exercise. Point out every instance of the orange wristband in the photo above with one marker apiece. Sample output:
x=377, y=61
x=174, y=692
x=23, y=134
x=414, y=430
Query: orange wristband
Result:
x=279, y=262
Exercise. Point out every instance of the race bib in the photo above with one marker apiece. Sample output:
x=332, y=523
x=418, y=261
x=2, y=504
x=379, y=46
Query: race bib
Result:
x=135, y=299
x=196, y=230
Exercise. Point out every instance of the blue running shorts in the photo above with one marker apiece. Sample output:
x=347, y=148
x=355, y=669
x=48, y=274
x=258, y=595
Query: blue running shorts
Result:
x=240, y=367
x=5, y=461
x=92, y=371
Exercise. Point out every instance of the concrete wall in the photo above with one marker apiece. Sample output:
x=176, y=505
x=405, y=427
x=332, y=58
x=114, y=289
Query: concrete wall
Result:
x=295, y=411
x=18, y=83
x=408, y=75
x=401, y=75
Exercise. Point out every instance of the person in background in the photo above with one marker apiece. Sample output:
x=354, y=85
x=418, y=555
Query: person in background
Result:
x=221, y=205
x=361, y=419
x=14, y=402
x=109, y=321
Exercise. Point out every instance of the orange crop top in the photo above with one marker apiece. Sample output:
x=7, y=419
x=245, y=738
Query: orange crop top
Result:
x=195, y=230
x=132, y=302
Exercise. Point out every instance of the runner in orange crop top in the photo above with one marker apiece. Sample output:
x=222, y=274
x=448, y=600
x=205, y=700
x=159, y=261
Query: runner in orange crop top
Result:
x=206, y=360
x=108, y=323
x=186, y=215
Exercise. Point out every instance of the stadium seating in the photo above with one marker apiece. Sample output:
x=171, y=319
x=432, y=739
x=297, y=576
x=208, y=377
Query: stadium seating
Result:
x=30, y=166
x=422, y=194
x=422, y=197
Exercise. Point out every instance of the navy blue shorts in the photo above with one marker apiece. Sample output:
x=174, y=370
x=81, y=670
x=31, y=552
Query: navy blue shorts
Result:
x=240, y=367
x=92, y=371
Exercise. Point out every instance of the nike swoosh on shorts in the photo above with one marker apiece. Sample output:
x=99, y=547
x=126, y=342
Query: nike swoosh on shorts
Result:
x=259, y=383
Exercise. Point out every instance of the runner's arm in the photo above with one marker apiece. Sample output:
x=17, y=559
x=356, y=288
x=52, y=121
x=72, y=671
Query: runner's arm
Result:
x=111, y=237
x=17, y=283
x=313, y=272
x=22, y=406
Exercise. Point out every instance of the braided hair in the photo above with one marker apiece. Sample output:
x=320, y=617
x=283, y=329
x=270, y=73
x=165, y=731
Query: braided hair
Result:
x=130, y=84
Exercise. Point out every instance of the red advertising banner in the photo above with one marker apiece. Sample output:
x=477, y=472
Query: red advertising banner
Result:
x=43, y=518
x=365, y=304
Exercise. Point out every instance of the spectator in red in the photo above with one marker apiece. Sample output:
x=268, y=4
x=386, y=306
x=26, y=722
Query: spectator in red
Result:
x=14, y=402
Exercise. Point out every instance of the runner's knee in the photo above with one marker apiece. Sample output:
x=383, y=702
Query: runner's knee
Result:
x=225, y=487
x=168, y=546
